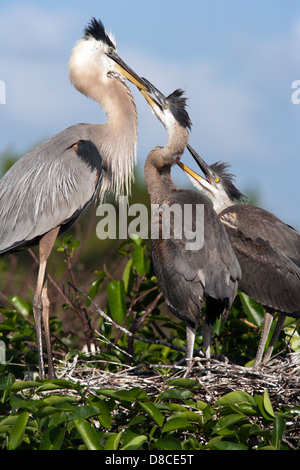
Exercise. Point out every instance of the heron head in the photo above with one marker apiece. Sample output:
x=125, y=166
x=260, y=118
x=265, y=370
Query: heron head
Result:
x=217, y=183
x=95, y=57
x=168, y=109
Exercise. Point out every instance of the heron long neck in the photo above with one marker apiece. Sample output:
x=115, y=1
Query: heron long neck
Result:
x=116, y=140
x=158, y=166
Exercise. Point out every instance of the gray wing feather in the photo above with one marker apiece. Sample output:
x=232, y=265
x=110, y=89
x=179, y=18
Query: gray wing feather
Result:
x=187, y=277
x=47, y=187
x=269, y=255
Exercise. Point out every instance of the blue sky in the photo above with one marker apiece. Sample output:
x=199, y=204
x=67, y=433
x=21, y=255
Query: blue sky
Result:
x=235, y=60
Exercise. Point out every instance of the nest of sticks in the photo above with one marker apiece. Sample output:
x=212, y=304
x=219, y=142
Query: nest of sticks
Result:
x=280, y=377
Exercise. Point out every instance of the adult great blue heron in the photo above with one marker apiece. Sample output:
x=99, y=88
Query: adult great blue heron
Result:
x=268, y=250
x=48, y=189
x=188, y=275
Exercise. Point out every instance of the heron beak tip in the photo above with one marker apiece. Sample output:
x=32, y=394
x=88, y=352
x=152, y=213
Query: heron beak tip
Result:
x=190, y=172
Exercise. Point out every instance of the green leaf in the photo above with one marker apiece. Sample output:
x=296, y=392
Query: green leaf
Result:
x=191, y=416
x=94, y=288
x=135, y=443
x=236, y=397
x=176, y=394
x=226, y=422
x=254, y=310
x=139, y=260
x=128, y=276
x=184, y=383
x=116, y=300
x=137, y=240
x=84, y=412
x=153, y=412
x=20, y=385
x=17, y=432
x=260, y=403
x=88, y=434
x=176, y=423
x=227, y=445
x=131, y=395
x=278, y=430
x=25, y=308
x=113, y=441
x=104, y=415
x=55, y=384
x=6, y=382
x=207, y=410
x=53, y=438
x=167, y=443
x=267, y=404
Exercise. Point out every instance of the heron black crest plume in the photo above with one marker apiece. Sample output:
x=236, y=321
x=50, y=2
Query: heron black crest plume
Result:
x=177, y=104
x=96, y=29
x=220, y=168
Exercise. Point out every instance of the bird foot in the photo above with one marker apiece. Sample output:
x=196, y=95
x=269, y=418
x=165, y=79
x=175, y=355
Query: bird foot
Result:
x=190, y=365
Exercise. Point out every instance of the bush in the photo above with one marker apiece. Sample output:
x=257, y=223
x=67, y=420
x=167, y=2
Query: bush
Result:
x=152, y=406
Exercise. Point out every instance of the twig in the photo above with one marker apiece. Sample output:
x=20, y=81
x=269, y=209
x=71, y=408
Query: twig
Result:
x=124, y=330
x=132, y=303
x=80, y=310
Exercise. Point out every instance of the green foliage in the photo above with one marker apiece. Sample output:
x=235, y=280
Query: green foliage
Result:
x=131, y=419
x=61, y=414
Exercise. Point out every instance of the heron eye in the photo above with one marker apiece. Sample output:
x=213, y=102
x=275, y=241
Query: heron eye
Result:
x=110, y=50
x=217, y=180
x=166, y=106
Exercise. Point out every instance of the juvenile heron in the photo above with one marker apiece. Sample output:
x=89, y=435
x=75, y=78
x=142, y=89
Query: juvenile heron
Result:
x=268, y=250
x=187, y=275
x=48, y=189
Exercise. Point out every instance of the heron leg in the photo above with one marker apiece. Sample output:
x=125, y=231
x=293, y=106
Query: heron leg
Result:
x=206, y=333
x=37, y=310
x=190, y=341
x=41, y=302
x=46, y=309
x=279, y=325
x=263, y=338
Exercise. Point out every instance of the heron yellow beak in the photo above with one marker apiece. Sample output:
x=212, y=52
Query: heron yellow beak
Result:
x=188, y=170
x=126, y=71
x=131, y=75
x=149, y=98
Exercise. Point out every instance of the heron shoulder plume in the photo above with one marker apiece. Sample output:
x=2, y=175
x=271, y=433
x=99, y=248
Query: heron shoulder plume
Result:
x=177, y=103
x=96, y=30
x=220, y=169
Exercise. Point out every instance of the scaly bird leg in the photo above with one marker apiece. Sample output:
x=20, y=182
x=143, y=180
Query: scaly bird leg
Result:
x=206, y=334
x=37, y=310
x=41, y=303
x=278, y=327
x=263, y=338
x=190, y=341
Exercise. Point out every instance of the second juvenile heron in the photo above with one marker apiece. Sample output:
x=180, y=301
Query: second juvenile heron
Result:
x=187, y=276
x=48, y=189
x=268, y=250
